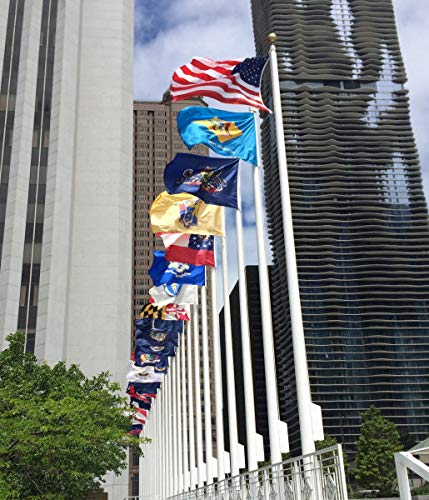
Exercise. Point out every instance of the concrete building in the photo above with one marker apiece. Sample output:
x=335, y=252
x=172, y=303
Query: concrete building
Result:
x=359, y=214
x=66, y=181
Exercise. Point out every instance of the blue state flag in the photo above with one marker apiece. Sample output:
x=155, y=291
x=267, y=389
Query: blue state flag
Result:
x=143, y=346
x=164, y=272
x=136, y=389
x=158, y=331
x=144, y=359
x=213, y=180
x=226, y=133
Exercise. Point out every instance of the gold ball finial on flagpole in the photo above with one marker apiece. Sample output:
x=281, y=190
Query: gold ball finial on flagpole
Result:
x=272, y=38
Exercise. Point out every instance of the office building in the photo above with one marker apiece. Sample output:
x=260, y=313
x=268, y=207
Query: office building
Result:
x=66, y=181
x=359, y=213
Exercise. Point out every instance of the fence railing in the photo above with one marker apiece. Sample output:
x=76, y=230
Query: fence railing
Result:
x=318, y=476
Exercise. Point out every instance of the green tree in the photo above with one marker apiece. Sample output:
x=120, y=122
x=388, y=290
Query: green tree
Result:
x=60, y=432
x=375, y=463
x=327, y=442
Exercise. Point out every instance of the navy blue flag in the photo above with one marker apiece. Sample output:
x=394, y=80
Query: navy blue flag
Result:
x=143, y=346
x=136, y=429
x=162, y=367
x=136, y=389
x=164, y=272
x=148, y=360
x=156, y=337
x=158, y=331
x=214, y=180
x=160, y=363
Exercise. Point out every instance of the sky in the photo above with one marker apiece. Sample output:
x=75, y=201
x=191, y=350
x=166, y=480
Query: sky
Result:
x=168, y=33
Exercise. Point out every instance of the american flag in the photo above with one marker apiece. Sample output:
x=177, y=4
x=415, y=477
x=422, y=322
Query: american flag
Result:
x=235, y=81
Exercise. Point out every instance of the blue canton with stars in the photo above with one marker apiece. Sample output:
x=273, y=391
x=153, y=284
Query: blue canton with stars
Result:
x=251, y=70
x=201, y=242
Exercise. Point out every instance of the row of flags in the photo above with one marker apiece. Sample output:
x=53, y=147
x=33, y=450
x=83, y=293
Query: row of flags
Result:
x=188, y=214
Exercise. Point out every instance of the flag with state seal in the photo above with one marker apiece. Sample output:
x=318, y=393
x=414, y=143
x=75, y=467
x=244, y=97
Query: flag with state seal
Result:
x=164, y=272
x=214, y=180
x=225, y=132
x=185, y=213
x=170, y=312
x=174, y=293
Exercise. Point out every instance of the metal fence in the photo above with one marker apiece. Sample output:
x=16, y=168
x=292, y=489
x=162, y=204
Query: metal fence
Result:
x=318, y=476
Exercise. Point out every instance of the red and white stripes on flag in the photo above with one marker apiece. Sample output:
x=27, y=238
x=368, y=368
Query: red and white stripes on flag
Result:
x=215, y=79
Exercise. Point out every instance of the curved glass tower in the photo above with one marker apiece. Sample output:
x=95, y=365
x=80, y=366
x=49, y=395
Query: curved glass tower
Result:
x=360, y=216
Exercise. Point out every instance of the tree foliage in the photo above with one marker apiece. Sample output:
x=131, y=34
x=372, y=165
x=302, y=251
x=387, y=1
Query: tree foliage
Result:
x=327, y=442
x=375, y=463
x=60, y=432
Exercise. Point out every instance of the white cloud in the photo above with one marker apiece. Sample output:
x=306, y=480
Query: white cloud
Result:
x=412, y=18
x=220, y=29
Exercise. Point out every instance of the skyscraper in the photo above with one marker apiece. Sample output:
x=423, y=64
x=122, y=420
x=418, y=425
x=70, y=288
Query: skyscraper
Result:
x=66, y=180
x=359, y=213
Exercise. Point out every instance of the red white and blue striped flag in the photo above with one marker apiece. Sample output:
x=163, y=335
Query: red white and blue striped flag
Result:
x=196, y=249
x=235, y=81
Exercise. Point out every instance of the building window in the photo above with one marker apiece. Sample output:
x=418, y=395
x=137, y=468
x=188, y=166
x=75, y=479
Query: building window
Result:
x=135, y=485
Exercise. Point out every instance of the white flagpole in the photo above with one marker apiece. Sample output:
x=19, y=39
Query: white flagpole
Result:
x=159, y=442
x=166, y=472
x=197, y=388
x=162, y=461
x=154, y=445
x=146, y=468
x=190, y=409
x=229, y=360
x=149, y=452
x=267, y=322
x=298, y=339
x=220, y=443
x=144, y=465
x=146, y=475
x=179, y=452
x=173, y=427
x=246, y=352
x=207, y=389
x=168, y=434
x=169, y=456
x=185, y=441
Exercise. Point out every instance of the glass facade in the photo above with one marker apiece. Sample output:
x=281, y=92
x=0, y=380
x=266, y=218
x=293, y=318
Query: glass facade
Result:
x=360, y=216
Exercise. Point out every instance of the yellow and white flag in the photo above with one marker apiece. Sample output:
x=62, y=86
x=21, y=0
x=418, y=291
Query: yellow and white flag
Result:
x=185, y=213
